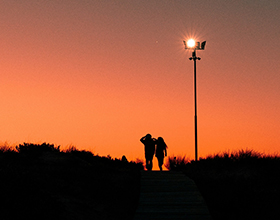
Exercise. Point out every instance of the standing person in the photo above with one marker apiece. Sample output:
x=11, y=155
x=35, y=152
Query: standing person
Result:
x=161, y=151
x=149, y=144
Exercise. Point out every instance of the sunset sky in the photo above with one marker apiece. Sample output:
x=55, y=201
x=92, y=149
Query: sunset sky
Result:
x=101, y=74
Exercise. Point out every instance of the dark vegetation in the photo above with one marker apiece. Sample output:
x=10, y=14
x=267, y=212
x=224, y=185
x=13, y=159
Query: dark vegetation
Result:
x=39, y=181
x=238, y=185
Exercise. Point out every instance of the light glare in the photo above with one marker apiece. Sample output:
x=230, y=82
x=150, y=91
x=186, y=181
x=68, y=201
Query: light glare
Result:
x=191, y=43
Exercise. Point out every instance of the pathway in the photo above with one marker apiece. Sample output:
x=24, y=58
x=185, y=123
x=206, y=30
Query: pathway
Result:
x=169, y=195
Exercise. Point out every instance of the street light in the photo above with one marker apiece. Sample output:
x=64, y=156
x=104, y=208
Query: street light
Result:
x=191, y=44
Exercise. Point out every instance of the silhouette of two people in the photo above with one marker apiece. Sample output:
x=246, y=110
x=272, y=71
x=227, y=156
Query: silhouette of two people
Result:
x=154, y=146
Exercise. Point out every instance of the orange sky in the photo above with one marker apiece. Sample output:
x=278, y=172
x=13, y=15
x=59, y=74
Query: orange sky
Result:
x=101, y=74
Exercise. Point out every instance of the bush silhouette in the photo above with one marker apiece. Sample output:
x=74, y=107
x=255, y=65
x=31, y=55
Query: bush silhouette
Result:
x=31, y=148
x=176, y=163
x=41, y=182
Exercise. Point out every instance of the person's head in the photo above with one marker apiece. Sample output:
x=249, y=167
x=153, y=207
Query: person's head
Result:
x=148, y=136
x=161, y=141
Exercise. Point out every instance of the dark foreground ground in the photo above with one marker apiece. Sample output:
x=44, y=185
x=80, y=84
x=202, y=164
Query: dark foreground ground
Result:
x=240, y=185
x=41, y=182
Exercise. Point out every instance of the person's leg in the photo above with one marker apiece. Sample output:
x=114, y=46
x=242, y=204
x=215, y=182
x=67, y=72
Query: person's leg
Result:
x=160, y=162
x=147, y=164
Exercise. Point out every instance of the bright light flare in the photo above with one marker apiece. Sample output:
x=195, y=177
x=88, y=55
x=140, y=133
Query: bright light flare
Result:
x=191, y=43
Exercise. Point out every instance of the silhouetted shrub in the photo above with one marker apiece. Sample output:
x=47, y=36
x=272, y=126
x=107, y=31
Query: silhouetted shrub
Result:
x=176, y=163
x=6, y=149
x=30, y=148
x=71, y=149
x=124, y=159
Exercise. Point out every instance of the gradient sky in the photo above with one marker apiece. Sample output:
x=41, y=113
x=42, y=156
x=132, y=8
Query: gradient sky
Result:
x=101, y=74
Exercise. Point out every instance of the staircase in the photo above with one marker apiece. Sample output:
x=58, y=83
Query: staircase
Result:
x=169, y=195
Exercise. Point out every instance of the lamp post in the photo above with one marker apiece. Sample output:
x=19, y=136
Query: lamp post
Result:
x=191, y=44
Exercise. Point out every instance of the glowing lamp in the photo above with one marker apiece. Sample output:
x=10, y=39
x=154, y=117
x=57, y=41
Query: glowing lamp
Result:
x=191, y=43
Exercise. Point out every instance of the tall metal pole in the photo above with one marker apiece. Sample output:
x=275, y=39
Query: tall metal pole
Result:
x=191, y=44
x=195, y=106
x=194, y=58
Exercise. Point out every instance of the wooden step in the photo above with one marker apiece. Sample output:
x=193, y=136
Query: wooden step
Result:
x=169, y=195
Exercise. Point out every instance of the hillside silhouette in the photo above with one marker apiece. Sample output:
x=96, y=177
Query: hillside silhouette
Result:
x=39, y=181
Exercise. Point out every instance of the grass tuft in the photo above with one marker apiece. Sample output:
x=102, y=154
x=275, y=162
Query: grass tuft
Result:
x=176, y=163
